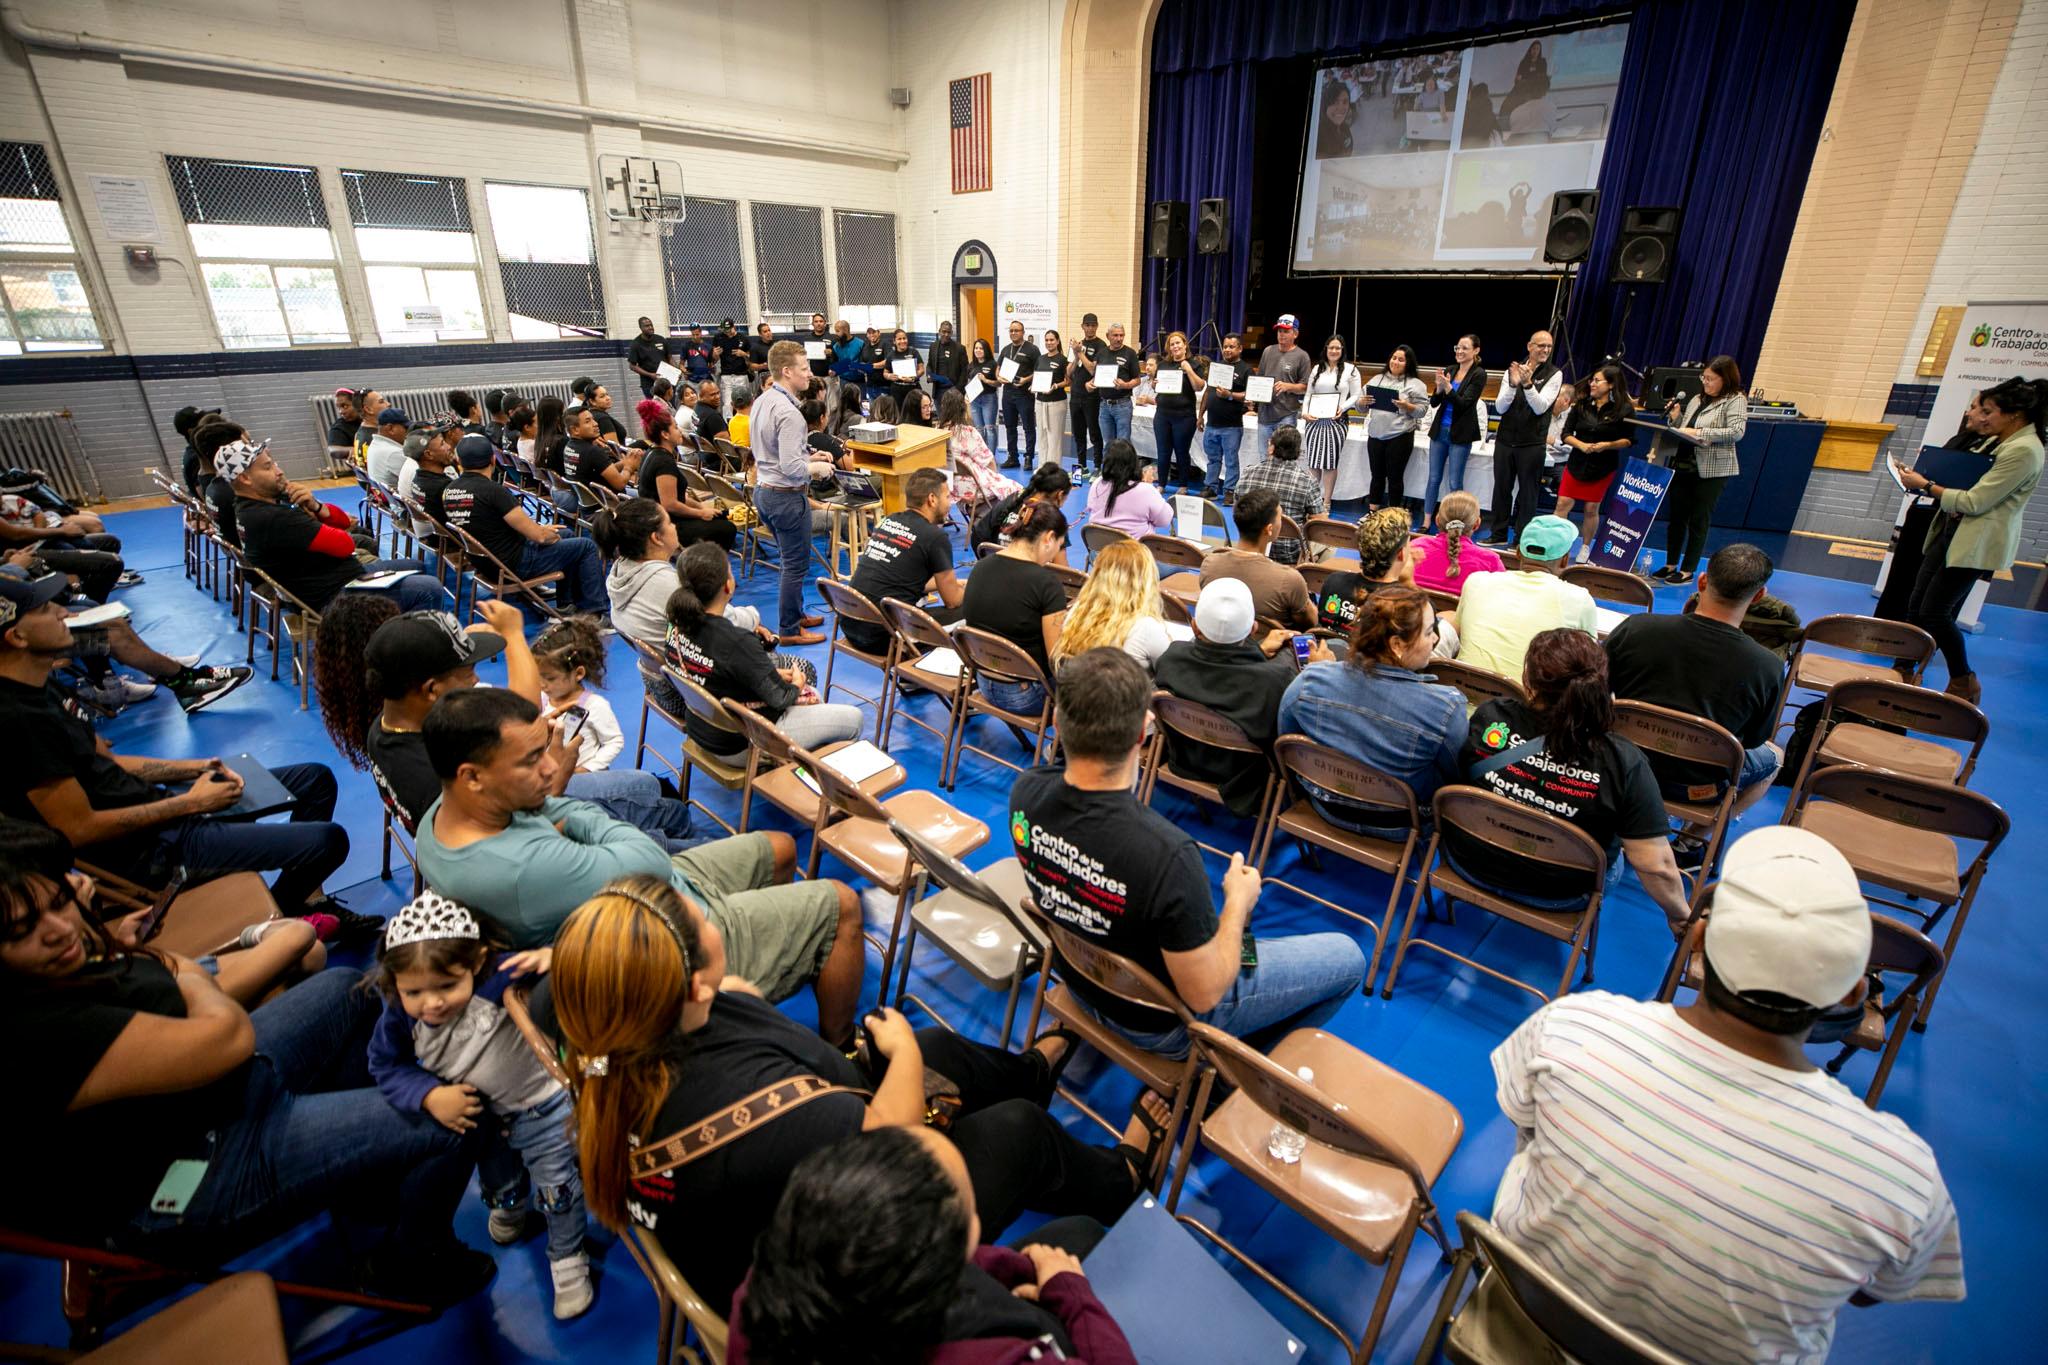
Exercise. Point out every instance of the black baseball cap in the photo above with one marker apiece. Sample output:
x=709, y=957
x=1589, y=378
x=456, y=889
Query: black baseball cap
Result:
x=20, y=596
x=409, y=650
x=475, y=451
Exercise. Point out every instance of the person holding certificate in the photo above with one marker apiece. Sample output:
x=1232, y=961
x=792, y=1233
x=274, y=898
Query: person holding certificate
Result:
x=1978, y=532
x=1287, y=366
x=1221, y=418
x=1014, y=367
x=1703, y=463
x=1333, y=390
x=1049, y=392
x=906, y=367
x=1390, y=432
x=1111, y=379
x=1174, y=389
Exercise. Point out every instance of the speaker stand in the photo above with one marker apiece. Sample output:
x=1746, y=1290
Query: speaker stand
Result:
x=1208, y=327
x=1620, y=351
x=1560, y=317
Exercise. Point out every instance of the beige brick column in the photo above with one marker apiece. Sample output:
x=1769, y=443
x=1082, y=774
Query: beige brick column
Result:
x=1104, y=83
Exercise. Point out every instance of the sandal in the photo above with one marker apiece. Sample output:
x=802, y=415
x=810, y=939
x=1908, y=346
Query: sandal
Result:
x=1140, y=1159
x=1054, y=1070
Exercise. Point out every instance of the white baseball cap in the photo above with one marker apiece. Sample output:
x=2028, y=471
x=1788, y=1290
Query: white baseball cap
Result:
x=1223, y=613
x=1788, y=918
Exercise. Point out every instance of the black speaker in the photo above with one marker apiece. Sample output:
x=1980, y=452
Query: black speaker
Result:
x=1168, y=237
x=1212, y=228
x=1570, y=235
x=1646, y=247
x=1670, y=383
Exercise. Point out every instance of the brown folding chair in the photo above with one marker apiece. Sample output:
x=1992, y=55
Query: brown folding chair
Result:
x=846, y=604
x=489, y=571
x=1904, y=834
x=1176, y=609
x=977, y=919
x=993, y=657
x=1441, y=600
x=652, y=661
x=398, y=831
x=1839, y=738
x=1531, y=835
x=916, y=634
x=1097, y=537
x=1377, y=1141
x=1174, y=552
x=1478, y=684
x=684, y=1313
x=729, y=772
x=234, y=1318
x=984, y=549
x=1072, y=580
x=739, y=506
x=204, y=918
x=1612, y=585
x=1316, y=575
x=539, y=1044
x=1693, y=739
x=1331, y=533
x=1521, y=1312
x=1305, y=767
x=1183, y=587
x=1809, y=671
x=865, y=842
x=1112, y=974
x=1199, y=724
x=1290, y=529
x=775, y=775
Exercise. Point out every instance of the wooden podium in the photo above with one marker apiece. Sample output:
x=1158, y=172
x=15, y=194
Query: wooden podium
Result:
x=914, y=448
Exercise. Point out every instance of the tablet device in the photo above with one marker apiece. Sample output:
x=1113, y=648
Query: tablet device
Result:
x=262, y=794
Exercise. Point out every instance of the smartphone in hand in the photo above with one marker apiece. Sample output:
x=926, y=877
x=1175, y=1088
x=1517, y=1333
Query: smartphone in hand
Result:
x=1302, y=645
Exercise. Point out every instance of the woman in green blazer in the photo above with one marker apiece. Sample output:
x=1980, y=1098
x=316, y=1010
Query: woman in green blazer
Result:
x=1980, y=534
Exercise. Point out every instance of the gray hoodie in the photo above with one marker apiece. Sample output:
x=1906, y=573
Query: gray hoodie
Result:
x=639, y=590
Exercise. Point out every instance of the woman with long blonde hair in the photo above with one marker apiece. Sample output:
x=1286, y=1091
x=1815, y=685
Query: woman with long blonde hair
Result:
x=672, y=1053
x=1118, y=608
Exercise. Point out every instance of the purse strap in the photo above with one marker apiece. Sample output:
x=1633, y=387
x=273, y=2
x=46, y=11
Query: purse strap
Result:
x=700, y=1139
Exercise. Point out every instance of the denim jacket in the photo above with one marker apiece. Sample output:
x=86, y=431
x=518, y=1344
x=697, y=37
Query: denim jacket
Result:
x=1392, y=718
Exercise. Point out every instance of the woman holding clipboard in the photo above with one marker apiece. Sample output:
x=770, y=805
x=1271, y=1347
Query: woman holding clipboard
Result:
x=1980, y=531
x=1703, y=463
x=1390, y=432
x=1335, y=381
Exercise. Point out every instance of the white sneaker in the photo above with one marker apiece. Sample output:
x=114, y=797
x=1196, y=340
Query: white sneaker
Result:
x=572, y=1285
x=134, y=690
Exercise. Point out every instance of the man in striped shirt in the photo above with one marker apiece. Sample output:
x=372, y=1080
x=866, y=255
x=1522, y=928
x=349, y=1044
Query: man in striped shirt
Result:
x=1689, y=1171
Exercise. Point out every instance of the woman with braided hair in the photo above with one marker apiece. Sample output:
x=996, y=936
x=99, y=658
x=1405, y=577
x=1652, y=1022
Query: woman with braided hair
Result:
x=1446, y=561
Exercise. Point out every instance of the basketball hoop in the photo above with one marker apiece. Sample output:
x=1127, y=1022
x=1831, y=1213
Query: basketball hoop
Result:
x=642, y=189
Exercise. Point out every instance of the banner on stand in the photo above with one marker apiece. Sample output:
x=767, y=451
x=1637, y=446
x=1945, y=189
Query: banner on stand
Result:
x=1037, y=309
x=1629, y=513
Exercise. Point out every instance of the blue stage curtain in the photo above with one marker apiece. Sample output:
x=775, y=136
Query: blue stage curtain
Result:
x=1719, y=110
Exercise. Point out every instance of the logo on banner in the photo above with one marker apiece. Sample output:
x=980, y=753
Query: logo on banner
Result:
x=1982, y=336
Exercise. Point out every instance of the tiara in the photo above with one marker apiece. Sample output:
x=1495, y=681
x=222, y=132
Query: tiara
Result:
x=431, y=915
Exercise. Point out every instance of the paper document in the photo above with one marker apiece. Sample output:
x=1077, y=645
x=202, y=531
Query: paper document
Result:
x=1259, y=389
x=1322, y=405
x=814, y=350
x=1222, y=375
x=1007, y=371
x=944, y=662
x=669, y=372
x=1041, y=381
x=1187, y=516
x=1170, y=381
x=858, y=761
x=383, y=580
x=1107, y=372
x=1608, y=618
x=974, y=388
x=97, y=616
x=903, y=366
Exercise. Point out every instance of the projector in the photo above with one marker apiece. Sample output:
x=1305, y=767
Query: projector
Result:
x=873, y=433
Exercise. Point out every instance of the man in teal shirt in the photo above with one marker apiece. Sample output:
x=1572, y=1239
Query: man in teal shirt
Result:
x=500, y=844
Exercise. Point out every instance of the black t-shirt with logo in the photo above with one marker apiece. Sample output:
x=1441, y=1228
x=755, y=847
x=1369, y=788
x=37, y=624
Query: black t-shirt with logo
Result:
x=402, y=771
x=479, y=505
x=1227, y=409
x=1127, y=367
x=1609, y=793
x=1113, y=871
x=587, y=460
x=427, y=487
x=1337, y=603
x=278, y=539
x=904, y=553
x=732, y=349
x=696, y=358
x=732, y=665
x=47, y=744
x=647, y=352
x=659, y=460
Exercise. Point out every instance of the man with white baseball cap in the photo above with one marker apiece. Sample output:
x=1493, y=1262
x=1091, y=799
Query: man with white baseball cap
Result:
x=1287, y=365
x=1689, y=1170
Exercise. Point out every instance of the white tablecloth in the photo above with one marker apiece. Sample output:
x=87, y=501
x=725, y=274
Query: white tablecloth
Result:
x=1354, y=472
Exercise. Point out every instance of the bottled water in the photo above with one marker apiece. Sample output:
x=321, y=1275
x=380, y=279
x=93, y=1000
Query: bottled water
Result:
x=1286, y=1143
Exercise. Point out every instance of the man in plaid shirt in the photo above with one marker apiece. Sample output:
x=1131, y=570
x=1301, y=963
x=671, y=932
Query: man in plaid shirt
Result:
x=1299, y=490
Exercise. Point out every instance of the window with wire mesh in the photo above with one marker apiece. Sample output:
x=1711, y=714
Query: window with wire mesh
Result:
x=265, y=250
x=44, y=306
x=700, y=258
x=864, y=245
x=789, y=259
x=418, y=247
x=547, y=257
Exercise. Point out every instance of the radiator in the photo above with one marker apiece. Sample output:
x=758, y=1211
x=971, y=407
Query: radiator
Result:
x=426, y=404
x=48, y=441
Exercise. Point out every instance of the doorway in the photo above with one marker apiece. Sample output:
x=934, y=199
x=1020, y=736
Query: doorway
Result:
x=974, y=295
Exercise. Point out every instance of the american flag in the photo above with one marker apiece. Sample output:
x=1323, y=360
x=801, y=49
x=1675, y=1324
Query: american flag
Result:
x=973, y=156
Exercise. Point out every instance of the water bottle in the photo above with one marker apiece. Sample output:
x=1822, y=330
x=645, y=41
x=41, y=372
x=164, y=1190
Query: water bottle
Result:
x=1286, y=1142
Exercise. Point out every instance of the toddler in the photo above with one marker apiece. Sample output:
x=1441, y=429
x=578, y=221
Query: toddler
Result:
x=570, y=656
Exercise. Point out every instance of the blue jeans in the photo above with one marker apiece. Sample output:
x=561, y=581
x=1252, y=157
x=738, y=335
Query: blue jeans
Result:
x=1758, y=765
x=1027, y=698
x=985, y=417
x=1301, y=982
x=304, y=851
x=540, y=1137
x=566, y=502
x=312, y=1134
x=787, y=512
x=1441, y=454
x=1175, y=435
x=1113, y=419
x=1220, y=445
x=582, y=569
x=634, y=796
x=419, y=592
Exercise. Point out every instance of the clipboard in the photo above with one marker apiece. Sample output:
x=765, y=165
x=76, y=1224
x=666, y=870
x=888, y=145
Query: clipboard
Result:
x=262, y=794
x=1951, y=468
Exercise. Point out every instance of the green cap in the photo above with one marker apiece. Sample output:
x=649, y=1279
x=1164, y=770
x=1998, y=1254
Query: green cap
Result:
x=1547, y=539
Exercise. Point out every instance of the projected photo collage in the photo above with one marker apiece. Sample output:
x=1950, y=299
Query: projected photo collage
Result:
x=1448, y=160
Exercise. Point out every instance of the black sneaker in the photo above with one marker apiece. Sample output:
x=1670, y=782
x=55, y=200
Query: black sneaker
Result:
x=1689, y=853
x=128, y=579
x=354, y=923
x=440, y=1278
x=1669, y=574
x=201, y=687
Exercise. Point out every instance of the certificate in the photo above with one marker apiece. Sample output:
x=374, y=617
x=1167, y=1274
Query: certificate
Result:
x=1041, y=381
x=1222, y=375
x=669, y=372
x=814, y=350
x=974, y=388
x=1259, y=389
x=903, y=366
x=1107, y=371
x=1322, y=405
x=1008, y=370
x=1169, y=381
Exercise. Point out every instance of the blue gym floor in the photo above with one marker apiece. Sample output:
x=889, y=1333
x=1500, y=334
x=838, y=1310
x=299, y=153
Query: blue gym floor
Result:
x=1963, y=1085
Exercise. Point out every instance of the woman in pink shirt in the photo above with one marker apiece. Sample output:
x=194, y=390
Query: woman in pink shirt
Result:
x=1126, y=498
x=1446, y=560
